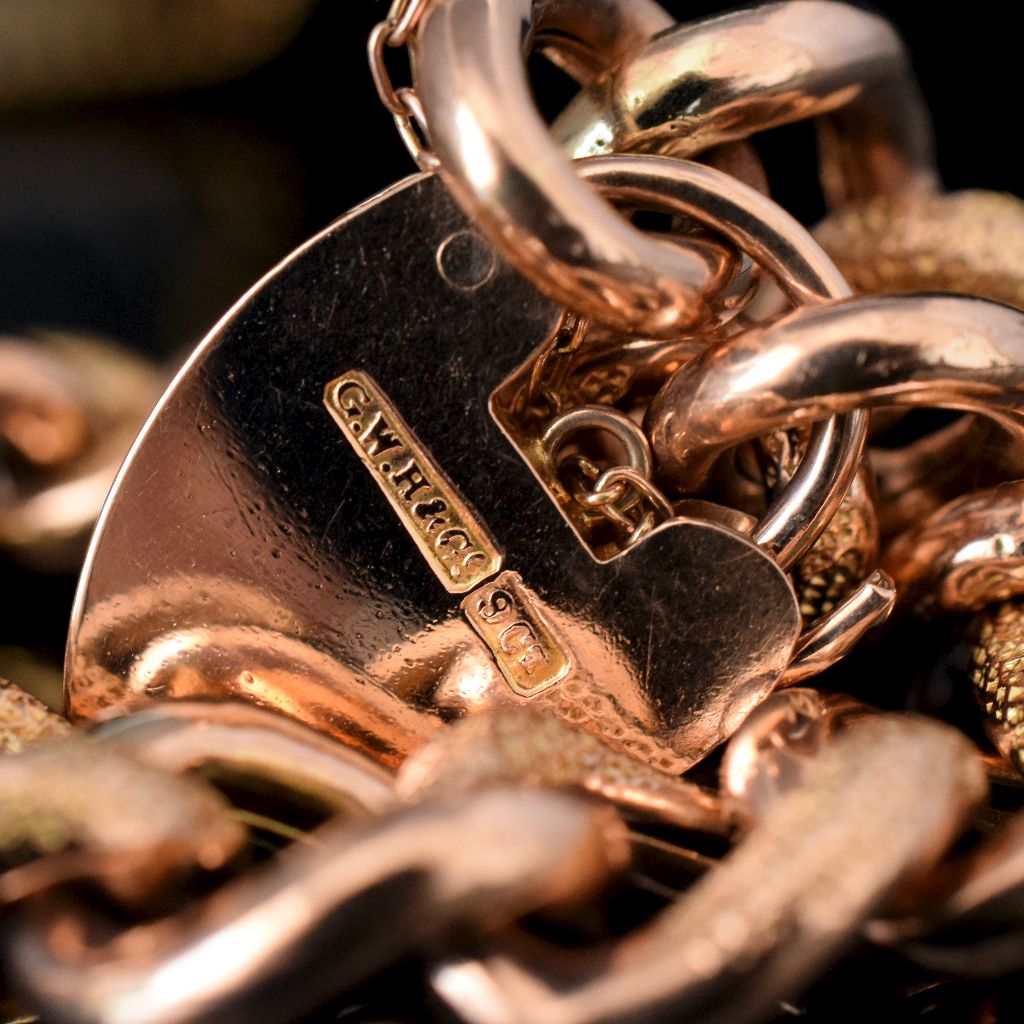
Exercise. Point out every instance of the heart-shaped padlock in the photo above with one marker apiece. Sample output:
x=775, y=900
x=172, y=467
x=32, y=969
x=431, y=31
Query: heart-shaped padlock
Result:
x=325, y=516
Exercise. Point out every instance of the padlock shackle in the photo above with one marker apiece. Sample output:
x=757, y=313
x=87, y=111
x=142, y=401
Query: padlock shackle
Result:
x=768, y=234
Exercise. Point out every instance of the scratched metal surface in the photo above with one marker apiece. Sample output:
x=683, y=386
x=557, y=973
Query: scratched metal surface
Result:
x=246, y=550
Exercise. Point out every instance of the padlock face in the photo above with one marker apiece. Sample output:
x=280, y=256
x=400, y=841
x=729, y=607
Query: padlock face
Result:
x=323, y=516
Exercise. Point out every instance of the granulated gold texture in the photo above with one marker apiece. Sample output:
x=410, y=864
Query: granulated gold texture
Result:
x=25, y=720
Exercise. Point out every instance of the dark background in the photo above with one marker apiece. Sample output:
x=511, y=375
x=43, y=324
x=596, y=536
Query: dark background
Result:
x=144, y=219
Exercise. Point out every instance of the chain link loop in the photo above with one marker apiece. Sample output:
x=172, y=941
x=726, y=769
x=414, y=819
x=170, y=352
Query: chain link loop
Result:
x=401, y=102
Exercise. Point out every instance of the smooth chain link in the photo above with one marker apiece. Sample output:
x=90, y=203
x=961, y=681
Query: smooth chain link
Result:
x=402, y=102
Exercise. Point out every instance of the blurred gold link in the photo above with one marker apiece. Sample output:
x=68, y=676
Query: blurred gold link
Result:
x=974, y=923
x=966, y=916
x=247, y=747
x=776, y=747
x=969, y=556
x=875, y=812
x=966, y=242
x=779, y=740
x=70, y=407
x=376, y=893
x=89, y=811
x=965, y=555
x=58, y=51
x=519, y=745
x=524, y=747
x=24, y=720
x=917, y=479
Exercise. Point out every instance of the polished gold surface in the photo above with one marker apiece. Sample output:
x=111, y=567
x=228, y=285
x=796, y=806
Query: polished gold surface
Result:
x=611, y=369
x=953, y=352
x=720, y=80
x=449, y=668
x=725, y=78
x=765, y=232
x=449, y=534
x=830, y=638
x=269, y=565
x=581, y=253
x=267, y=666
x=968, y=242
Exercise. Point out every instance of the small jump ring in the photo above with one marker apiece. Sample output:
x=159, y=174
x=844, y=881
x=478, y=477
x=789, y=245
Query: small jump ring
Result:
x=412, y=129
x=403, y=18
x=637, y=480
x=600, y=417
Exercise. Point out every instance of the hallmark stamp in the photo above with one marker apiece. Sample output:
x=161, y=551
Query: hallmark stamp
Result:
x=510, y=621
x=452, y=539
